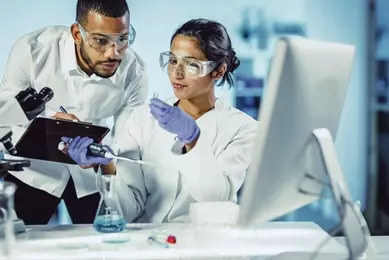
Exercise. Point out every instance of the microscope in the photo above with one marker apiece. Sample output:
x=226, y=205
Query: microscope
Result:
x=19, y=110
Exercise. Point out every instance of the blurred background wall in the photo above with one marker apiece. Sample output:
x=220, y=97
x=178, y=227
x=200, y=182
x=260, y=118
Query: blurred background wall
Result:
x=254, y=25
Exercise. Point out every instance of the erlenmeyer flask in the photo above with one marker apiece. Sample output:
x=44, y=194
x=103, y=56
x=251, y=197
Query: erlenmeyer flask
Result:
x=109, y=216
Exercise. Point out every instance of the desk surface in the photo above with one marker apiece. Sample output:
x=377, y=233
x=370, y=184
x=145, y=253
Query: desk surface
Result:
x=195, y=242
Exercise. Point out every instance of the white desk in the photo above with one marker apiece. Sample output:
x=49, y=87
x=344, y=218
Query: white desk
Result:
x=194, y=242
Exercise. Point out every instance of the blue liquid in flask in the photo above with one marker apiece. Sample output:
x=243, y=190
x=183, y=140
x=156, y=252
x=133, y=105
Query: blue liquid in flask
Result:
x=109, y=223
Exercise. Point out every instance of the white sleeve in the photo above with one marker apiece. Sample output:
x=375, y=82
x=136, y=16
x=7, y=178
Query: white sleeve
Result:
x=137, y=83
x=130, y=183
x=136, y=96
x=212, y=178
x=17, y=71
x=138, y=90
x=129, y=176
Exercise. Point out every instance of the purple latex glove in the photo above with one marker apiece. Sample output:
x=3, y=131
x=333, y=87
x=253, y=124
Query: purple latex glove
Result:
x=78, y=148
x=174, y=120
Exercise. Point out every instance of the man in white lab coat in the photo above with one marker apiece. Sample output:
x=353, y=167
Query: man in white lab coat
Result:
x=94, y=75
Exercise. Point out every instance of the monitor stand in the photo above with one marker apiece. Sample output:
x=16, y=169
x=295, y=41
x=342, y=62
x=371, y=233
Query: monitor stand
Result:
x=357, y=235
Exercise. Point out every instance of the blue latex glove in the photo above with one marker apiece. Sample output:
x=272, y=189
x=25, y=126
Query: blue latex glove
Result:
x=174, y=120
x=78, y=148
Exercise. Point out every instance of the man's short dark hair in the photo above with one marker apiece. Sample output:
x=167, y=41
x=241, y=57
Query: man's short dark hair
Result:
x=108, y=8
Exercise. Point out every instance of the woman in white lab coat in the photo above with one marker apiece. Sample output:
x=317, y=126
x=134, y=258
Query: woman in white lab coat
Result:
x=199, y=145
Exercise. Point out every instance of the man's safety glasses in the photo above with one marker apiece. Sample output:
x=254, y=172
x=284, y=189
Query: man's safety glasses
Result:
x=102, y=42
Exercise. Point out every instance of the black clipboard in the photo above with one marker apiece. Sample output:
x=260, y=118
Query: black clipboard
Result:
x=40, y=140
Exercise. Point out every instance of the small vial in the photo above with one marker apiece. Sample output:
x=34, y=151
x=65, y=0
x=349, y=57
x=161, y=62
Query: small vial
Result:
x=164, y=237
x=153, y=240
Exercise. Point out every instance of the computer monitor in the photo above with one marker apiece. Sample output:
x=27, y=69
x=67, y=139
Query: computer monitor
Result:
x=306, y=90
x=294, y=153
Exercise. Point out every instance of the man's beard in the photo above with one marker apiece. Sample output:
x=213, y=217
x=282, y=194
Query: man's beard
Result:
x=85, y=57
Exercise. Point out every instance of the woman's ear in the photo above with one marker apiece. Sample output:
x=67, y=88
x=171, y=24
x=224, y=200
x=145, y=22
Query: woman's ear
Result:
x=219, y=72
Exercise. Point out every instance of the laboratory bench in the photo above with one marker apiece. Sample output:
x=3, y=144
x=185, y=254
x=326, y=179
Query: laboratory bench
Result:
x=192, y=242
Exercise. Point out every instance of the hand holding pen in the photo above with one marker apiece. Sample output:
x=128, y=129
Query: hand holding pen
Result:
x=65, y=115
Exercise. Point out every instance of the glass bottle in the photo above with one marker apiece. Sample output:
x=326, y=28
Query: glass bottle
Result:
x=109, y=216
x=7, y=236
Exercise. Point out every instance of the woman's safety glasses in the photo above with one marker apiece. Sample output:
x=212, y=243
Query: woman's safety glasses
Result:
x=102, y=42
x=189, y=67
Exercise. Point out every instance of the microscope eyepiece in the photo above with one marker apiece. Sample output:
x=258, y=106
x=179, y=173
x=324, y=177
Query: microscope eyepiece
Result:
x=8, y=145
x=25, y=95
x=33, y=103
x=31, y=91
x=46, y=94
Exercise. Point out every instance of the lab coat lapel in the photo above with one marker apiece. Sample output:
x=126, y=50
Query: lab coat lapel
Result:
x=161, y=181
x=208, y=123
x=105, y=97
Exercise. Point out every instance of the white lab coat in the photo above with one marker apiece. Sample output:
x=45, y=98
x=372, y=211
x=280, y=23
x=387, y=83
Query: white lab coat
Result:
x=213, y=170
x=46, y=58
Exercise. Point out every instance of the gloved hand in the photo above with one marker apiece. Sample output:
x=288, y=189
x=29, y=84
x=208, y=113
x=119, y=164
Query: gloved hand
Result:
x=78, y=148
x=174, y=120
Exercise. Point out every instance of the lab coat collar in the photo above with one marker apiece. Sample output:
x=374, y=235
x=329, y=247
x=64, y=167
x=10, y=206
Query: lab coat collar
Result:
x=69, y=61
x=218, y=103
x=68, y=55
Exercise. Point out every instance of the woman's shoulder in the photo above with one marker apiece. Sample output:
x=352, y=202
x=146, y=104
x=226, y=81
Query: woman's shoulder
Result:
x=227, y=114
x=141, y=114
x=230, y=124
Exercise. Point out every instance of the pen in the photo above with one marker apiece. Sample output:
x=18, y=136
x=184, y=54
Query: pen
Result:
x=63, y=109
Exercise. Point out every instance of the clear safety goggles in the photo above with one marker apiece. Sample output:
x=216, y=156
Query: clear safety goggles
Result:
x=190, y=67
x=102, y=42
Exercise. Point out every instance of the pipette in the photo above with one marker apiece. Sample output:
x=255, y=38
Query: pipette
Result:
x=110, y=155
x=99, y=150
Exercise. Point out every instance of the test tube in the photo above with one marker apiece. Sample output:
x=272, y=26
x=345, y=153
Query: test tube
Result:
x=155, y=95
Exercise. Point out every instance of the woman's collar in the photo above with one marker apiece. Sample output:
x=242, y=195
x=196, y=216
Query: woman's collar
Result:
x=173, y=100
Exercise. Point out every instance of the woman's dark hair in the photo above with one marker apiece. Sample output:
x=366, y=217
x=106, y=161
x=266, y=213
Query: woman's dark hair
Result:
x=214, y=42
